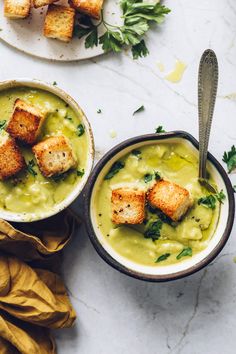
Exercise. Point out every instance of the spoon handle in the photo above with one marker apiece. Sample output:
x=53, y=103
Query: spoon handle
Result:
x=207, y=89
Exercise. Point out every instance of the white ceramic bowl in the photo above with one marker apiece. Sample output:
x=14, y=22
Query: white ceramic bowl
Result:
x=29, y=217
x=168, y=272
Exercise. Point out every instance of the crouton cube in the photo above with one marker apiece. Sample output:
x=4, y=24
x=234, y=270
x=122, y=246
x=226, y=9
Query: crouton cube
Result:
x=89, y=7
x=11, y=159
x=128, y=206
x=54, y=155
x=170, y=198
x=59, y=22
x=25, y=122
x=15, y=9
x=41, y=3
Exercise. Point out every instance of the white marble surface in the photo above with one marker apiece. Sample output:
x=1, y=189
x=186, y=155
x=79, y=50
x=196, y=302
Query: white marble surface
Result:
x=117, y=314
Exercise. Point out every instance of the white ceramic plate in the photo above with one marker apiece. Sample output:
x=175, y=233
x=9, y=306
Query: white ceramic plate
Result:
x=26, y=35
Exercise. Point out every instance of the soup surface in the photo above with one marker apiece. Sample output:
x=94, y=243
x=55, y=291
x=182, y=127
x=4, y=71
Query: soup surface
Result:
x=176, y=240
x=29, y=191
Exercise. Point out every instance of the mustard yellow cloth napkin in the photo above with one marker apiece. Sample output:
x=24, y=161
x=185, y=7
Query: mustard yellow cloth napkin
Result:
x=32, y=299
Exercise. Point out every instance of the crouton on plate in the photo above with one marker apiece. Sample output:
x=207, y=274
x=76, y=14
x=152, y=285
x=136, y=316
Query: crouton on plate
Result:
x=41, y=3
x=25, y=122
x=128, y=206
x=54, y=155
x=59, y=22
x=11, y=159
x=170, y=198
x=89, y=7
x=15, y=9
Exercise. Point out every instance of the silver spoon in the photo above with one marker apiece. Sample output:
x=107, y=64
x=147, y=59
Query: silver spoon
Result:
x=207, y=89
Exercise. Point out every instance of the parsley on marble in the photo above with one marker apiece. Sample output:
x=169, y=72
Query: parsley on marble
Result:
x=160, y=129
x=99, y=111
x=162, y=258
x=54, y=83
x=230, y=159
x=140, y=109
x=137, y=16
x=115, y=168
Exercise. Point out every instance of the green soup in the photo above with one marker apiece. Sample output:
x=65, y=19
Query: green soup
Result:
x=31, y=192
x=177, y=241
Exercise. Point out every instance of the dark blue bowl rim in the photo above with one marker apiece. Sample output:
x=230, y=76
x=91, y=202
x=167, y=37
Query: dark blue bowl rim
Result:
x=150, y=277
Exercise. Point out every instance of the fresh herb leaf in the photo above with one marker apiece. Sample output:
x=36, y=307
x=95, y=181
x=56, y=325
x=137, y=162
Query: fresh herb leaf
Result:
x=160, y=129
x=59, y=177
x=210, y=200
x=220, y=196
x=230, y=159
x=99, y=111
x=136, y=152
x=3, y=124
x=140, y=109
x=138, y=15
x=157, y=176
x=139, y=50
x=153, y=230
x=148, y=177
x=80, y=173
x=115, y=168
x=92, y=39
x=30, y=168
x=68, y=118
x=80, y=130
x=163, y=257
x=186, y=252
x=54, y=83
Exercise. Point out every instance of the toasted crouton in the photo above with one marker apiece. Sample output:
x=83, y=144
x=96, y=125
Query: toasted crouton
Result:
x=59, y=22
x=89, y=7
x=15, y=9
x=11, y=159
x=41, y=3
x=25, y=122
x=54, y=155
x=170, y=198
x=128, y=206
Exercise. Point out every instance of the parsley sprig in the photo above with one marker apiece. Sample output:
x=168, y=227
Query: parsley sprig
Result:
x=210, y=200
x=137, y=17
x=230, y=159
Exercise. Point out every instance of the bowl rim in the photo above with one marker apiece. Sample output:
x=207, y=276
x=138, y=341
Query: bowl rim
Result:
x=92, y=233
x=54, y=89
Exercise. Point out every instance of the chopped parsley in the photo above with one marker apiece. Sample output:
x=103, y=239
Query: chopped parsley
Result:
x=136, y=152
x=80, y=173
x=115, y=168
x=153, y=230
x=99, y=111
x=210, y=200
x=30, y=168
x=148, y=177
x=186, y=252
x=162, y=258
x=80, y=130
x=160, y=129
x=3, y=124
x=230, y=159
x=68, y=117
x=140, y=109
x=54, y=83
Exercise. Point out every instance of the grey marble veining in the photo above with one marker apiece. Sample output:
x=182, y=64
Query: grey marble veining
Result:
x=117, y=314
